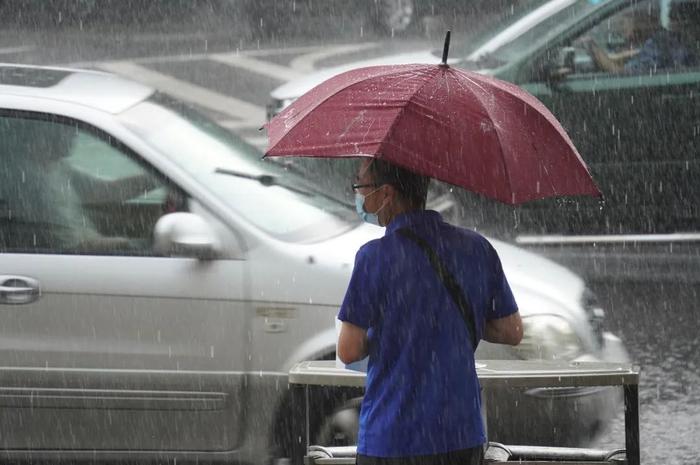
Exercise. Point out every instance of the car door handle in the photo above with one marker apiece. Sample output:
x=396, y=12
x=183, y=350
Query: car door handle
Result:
x=18, y=290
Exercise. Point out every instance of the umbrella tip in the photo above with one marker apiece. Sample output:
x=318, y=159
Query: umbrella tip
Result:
x=446, y=48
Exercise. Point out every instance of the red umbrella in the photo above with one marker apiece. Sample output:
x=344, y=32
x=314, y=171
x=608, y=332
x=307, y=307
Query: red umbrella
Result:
x=467, y=129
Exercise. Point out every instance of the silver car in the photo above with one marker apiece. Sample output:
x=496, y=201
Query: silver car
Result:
x=158, y=280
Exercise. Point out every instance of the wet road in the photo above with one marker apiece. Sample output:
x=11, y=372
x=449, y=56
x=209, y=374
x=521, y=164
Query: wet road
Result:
x=658, y=322
x=230, y=79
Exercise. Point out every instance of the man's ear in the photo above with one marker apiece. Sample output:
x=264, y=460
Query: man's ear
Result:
x=389, y=191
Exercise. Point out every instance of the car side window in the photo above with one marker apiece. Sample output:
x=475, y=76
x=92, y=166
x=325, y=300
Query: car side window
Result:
x=66, y=189
x=648, y=37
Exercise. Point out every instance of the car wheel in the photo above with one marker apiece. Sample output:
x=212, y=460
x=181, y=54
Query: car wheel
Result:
x=394, y=16
x=333, y=421
x=341, y=426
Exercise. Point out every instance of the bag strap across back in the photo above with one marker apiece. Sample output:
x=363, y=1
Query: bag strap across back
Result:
x=451, y=284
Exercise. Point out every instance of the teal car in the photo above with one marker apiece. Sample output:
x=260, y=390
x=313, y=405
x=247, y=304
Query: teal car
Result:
x=635, y=121
x=623, y=77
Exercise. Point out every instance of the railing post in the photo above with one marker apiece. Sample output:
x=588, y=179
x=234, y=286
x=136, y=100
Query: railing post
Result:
x=632, y=423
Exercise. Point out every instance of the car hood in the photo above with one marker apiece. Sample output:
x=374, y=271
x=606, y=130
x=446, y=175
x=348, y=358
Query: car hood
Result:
x=297, y=87
x=526, y=271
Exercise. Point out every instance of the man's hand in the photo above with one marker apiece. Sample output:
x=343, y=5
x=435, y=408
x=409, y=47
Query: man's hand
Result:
x=611, y=62
x=506, y=330
x=352, y=343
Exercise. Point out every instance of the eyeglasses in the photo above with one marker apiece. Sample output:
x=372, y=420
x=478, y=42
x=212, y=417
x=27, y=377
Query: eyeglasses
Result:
x=356, y=186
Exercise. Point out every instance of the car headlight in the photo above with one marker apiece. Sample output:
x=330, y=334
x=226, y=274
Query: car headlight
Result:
x=596, y=315
x=548, y=337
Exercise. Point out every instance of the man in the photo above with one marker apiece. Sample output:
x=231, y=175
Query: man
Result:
x=44, y=195
x=422, y=398
x=651, y=47
x=668, y=47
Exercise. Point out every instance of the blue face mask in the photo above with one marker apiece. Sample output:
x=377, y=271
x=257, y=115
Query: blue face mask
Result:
x=370, y=218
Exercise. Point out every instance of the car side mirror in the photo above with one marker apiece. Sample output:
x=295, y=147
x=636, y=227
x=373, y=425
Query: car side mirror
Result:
x=561, y=66
x=185, y=235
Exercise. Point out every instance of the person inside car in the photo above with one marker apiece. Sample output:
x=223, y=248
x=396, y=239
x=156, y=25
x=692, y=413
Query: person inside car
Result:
x=44, y=195
x=650, y=46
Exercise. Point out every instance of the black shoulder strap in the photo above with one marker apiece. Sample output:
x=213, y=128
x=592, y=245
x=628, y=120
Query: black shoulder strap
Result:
x=448, y=280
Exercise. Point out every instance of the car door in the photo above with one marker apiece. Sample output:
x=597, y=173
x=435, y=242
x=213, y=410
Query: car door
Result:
x=636, y=127
x=104, y=345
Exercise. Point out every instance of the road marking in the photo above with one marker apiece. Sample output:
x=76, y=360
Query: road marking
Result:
x=239, y=125
x=307, y=63
x=160, y=36
x=239, y=109
x=281, y=51
x=180, y=58
x=259, y=142
x=244, y=59
x=17, y=49
x=266, y=68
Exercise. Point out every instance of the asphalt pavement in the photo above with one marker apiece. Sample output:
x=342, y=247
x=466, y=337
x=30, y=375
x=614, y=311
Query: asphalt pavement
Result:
x=226, y=76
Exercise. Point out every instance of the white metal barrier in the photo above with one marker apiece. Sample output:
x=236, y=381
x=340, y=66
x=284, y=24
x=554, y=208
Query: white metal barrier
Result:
x=498, y=373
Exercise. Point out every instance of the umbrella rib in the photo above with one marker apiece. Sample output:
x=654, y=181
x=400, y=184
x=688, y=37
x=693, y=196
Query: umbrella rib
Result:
x=336, y=91
x=500, y=145
x=403, y=110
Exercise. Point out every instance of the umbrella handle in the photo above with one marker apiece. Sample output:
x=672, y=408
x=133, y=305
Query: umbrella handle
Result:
x=446, y=48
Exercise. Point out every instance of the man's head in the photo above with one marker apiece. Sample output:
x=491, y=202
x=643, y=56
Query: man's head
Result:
x=636, y=23
x=682, y=16
x=389, y=190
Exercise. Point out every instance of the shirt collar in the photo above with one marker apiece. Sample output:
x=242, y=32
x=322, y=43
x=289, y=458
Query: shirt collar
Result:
x=413, y=217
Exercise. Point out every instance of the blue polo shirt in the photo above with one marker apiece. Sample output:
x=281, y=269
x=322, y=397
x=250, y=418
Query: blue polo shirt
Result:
x=422, y=394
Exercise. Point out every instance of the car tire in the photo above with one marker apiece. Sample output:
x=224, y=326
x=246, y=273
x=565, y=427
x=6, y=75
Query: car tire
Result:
x=289, y=425
x=341, y=426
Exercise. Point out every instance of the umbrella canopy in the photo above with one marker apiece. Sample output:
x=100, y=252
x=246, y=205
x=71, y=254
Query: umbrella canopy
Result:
x=470, y=130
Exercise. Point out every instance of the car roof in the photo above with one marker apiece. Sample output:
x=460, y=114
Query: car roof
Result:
x=533, y=18
x=98, y=90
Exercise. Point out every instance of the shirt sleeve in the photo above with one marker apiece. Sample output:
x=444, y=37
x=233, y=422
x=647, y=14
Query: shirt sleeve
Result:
x=361, y=298
x=502, y=301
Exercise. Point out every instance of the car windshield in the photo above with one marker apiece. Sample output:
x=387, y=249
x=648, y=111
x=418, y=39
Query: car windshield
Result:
x=517, y=30
x=263, y=192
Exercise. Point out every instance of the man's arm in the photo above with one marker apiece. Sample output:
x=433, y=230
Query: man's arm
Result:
x=352, y=343
x=506, y=330
x=604, y=60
